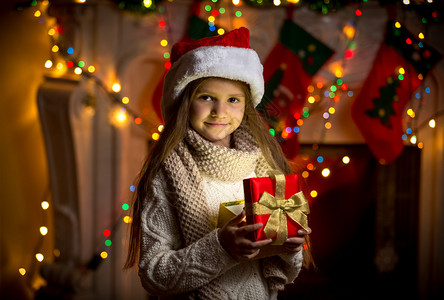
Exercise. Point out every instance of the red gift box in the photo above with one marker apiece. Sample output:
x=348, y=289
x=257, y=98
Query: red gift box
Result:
x=288, y=207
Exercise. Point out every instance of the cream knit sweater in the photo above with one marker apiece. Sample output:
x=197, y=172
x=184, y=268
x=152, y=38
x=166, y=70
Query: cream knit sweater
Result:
x=174, y=266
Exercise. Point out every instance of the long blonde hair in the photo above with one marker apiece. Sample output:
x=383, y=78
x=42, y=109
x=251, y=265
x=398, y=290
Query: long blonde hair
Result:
x=176, y=126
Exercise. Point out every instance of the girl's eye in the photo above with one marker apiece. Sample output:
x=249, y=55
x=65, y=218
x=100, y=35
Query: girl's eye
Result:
x=233, y=100
x=206, y=98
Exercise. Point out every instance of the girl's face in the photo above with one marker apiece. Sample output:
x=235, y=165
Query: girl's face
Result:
x=217, y=109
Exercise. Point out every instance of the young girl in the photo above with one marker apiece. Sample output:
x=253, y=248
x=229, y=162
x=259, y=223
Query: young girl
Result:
x=212, y=140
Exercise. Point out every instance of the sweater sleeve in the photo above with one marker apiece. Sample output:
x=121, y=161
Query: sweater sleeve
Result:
x=165, y=266
x=281, y=269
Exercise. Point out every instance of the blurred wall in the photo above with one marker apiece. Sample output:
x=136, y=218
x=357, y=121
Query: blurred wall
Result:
x=23, y=169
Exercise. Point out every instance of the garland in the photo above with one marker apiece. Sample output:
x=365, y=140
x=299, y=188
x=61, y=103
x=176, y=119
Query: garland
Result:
x=429, y=12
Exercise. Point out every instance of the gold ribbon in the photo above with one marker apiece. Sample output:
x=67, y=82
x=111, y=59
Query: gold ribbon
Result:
x=296, y=207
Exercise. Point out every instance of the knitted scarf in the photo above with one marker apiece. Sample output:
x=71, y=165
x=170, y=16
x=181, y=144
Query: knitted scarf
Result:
x=183, y=169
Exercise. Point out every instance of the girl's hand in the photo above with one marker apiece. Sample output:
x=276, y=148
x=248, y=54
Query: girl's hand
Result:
x=233, y=238
x=291, y=246
x=295, y=244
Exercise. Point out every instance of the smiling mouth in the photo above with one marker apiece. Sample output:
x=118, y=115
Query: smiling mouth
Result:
x=216, y=124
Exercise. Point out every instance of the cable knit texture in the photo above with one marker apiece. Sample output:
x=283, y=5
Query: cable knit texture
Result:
x=180, y=251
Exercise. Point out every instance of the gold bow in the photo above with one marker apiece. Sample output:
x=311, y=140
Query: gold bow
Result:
x=296, y=207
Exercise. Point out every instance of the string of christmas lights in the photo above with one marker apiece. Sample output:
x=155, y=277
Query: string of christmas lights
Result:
x=429, y=11
x=329, y=94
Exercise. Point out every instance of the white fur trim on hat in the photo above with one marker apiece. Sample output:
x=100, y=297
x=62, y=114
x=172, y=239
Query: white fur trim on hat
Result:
x=228, y=62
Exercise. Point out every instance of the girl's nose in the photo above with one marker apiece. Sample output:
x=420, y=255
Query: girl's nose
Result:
x=218, y=109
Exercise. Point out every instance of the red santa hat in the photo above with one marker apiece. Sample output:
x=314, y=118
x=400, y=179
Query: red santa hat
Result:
x=226, y=56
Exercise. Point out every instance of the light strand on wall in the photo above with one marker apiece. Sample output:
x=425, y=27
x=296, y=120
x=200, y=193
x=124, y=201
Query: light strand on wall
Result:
x=39, y=255
x=67, y=62
x=329, y=94
x=62, y=60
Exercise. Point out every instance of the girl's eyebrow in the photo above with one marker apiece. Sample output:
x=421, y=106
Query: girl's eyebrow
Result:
x=238, y=95
x=200, y=92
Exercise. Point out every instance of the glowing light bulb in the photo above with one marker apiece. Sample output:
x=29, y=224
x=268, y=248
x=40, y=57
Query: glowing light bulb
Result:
x=313, y=193
x=116, y=87
x=398, y=25
x=39, y=257
x=284, y=134
x=121, y=117
x=51, y=31
x=127, y=219
x=211, y=19
x=78, y=71
x=155, y=136
x=160, y=128
x=91, y=69
x=103, y=254
x=305, y=174
x=401, y=71
x=331, y=110
x=272, y=131
x=406, y=2
x=348, y=53
x=138, y=120
x=220, y=31
x=45, y=205
x=163, y=43
x=22, y=271
x=37, y=13
x=421, y=35
x=311, y=99
x=339, y=71
x=55, y=48
x=346, y=159
x=125, y=100
x=349, y=31
x=147, y=3
x=60, y=66
x=327, y=125
x=277, y=2
x=236, y=2
x=107, y=232
x=432, y=123
x=325, y=172
x=413, y=139
x=44, y=230
x=48, y=64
